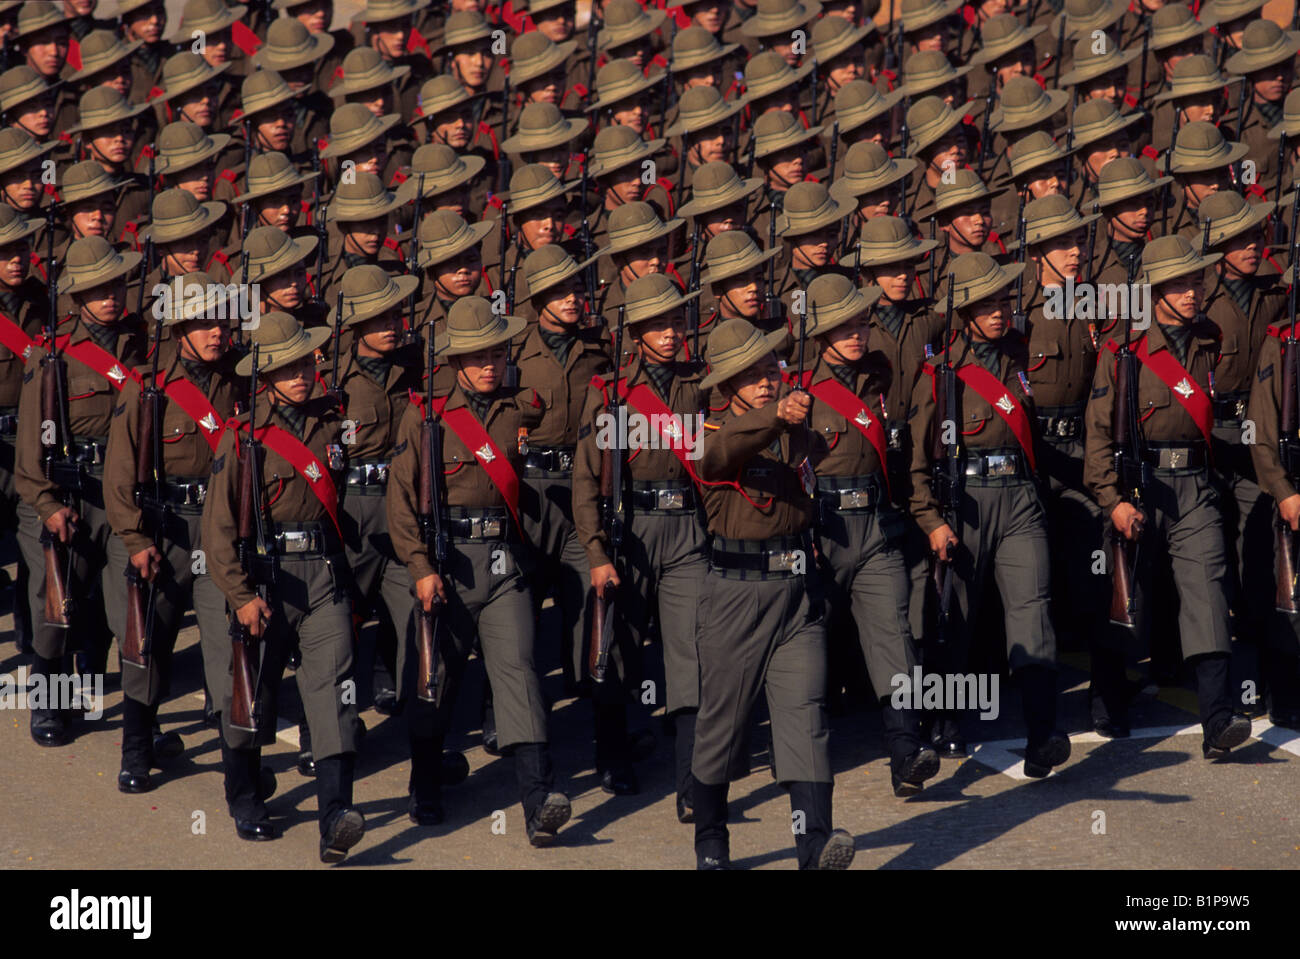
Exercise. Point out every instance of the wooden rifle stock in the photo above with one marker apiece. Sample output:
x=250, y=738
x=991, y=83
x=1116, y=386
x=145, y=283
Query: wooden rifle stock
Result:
x=139, y=593
x=1287, y=599
x=243, y=647
x=602, y=633
x=58, y=605
x=426, y=633
x=1129, y=471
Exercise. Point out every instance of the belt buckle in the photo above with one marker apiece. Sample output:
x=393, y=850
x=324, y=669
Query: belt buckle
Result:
x=670, y=499
x=1239, y=409
x=1063, y=429
x=784, y=561
x=1175, y=457
x=999, y=465
x=895, y=437
x=564, y=461
x=9, y=424
x=855, y=499
x=296, y=541
x=491, y=527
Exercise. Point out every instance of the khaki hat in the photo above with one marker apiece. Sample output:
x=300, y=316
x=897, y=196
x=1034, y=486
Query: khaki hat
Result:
x=1263, y=44
x=809, y=207
x=548, y=266
x=534, y=55
x=625, y=21
x=867, y=168
x=1230, y=215
x=1082, y=17
x=271, y=251
x=1201, y=147
x=369, y=291
x=443, y=235
x=694, y=46
x=438, y=94
x=100, y=49
x=1169, y=257
x=103, y=105
x=543, y=127
x=778, y=130
x=280, y=340
x=272, y=172
x=35, y=17
x=363, y=199
x=651, y=296
x=472, y=326
x=1098, y=119
x=617, y=147
x=732, y=253
x=767, y=73
x=1049, y=217
x=1290, y=124
x=14, y=226
x=773, y=17
x=538, y=6
x=635, y=224
x=21, y=84
x=1192, y=75
x=966, y=187
x=1215, y=12
x=977, y=276
x=184, y=71
x=189, y=306
x=1124, y=178
x=353, y=126
x=886, y=240
x=833, y=300
x=715, y=185
x=859, y=102
x=929, y=70
x=1172, y=24
x=532, y=185
x=17, y=149
x=1089, y=64
x=182, y=145
x=918, y=14
x=377, y=11
x=289, y=44
x=364, y=69
x=930, y=120
x=701, y=108
x=87, y=179
x=1001, y=35
x=265, y=89
x=463, y=27
x=831, y=36
x=126, y=6
x=735, y=346
x=1035, y=151
x=442, y=168
x=617, y=81
x=92, y=261
x=210, y=16
x=177, y=214
x=1024, y=103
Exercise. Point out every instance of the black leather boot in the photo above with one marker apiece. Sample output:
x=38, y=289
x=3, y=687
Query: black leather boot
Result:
x=1046, y=746
x=341, y=826
x=489, y=723
x=137, y=747
x=49, y=726
x=424, y=807
x=545, y=810
x=613, y=761
x=683, y=749
x=306, y=758
x=1224, y=728
x=712, y=841
x=911, y=761
x=166, y=746
x=818, y=844
x=245, y=800
x=1108, y=693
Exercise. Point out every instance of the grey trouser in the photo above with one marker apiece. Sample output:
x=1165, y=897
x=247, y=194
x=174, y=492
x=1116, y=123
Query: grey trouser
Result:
x=1080, y=597
x=177, y=587
x=488, y=600
x=382, y=582
x=759, y=636
x=662, y=566
x=546, y=512
x=87, y=556
x=862, y=552
x=309, y=612
x=1248, y=529
x=1003, y=530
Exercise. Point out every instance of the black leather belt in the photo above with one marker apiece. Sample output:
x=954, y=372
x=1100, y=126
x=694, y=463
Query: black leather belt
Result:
x=1187, y=457
x=780, y=556
x=850, y=493
x=373, y=475
x=993, y=465
x=310, y=539
x=666, y=498
x=549, y=459
x=9, y=421
x=1060, y=422
x=90, y=452
x=481, y=524
x=186, y=493
x=1230, y=408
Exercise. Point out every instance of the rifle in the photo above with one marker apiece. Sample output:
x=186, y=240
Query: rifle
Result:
x=835, y=148
x=904, y=137
x=257, y=562
x=693, y=284
x=986, y=139
x=1092, y=239
x=1132, y=471
x=503, y=162
x=773, y=310
x=432, y=532
x=141, y=596
x=503, y=240
x=58, y=463
x=413, y=255
x=949, y=469
x=335, y=390
x=931, y=256
x=812, y=77
x=144, y=272
x=1164, y=191
x=611, y=492
x=1060, y=52
x=891, y=53
x=585, y=239
x=592, y=37
x=318, y=223
x=1019, y=319
x=1244, y=103
x=749, y=155
x=1146, y=45
x=1279, y=225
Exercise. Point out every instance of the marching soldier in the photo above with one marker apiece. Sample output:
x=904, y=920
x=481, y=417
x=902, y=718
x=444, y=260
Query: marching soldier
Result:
x=273, y=191
x=28, y=103
x=181, y=230
x=1128, y=199
x=704, y=133
x=810, y=230
x=780, y=152
x=616, y=165
x=452, y=263
x=838, y=46
x=639, y=244
x=187, y=159
x=760, y=625
x=938, y=138
x=1006, y=50
x=108, y=132
x=191, y=90
x=43, y=40
x=89, y=206
x=870, y=182
x=293, y=52
x=735, y=278
x=1200, y=163
x=628, y=32
x=962, y=214
x=145, y=22
x=277, y=266
x=156, y=521
x=481, y=595
x=451, y=182
x=1023, y=108
x=700, y=60
x=1039, y=168
x=1266, y=64
x=360, y=216
x=720, y=201
x=359, y=140
x=1196, y=92
x=1099, y=70
x=544, y=136
x=930, y=72
x=388, y=27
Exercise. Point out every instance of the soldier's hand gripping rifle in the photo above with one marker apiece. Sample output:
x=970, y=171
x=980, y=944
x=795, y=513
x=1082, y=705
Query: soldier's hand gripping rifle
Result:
x=60, y=467
x=1133, y=473
x=1284, y=552
x=949, y=468
x=141, y=595
x=611, y=498
x=257, y=561
x=434, y=534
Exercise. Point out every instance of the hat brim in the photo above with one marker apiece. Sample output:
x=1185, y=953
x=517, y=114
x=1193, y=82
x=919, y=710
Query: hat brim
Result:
x=1062, y=229
x=366, y=16
x=442, y=341
x=801, y=73
x=40, y=149
x=340, y=146
x=870, y=295
x=803, y=137
x=406, y=190
x=1198, y=265
x=185, y=32
x=71, y=284
x=1057, y=100
x=210, y=212
x=1119, y=121
x=822, y=221
x=1082, y=75
x=623, y=246
x=917, y=252
x=298, y=180
x=125, y=54
x=842, y=43
x=1209, y=18
x=1244, y=62
x=949, y=124
x=1115, y=13
x=219, y=142
x=700, y=58
x=347, y=87
x=918, y=89
x=1236, y=151
x=645, y=83
x=848, y=187
x=317, y=337
x=681, y=129
x=301, y=247
x=382, y=208
x=888, y=102
x=677, y=304
x=1007, y=274
x=650, y=148
x=1132, y=192
x=558, y=55
x=773, y=342
x=717, y=276
x=132, y=111
x=432, y=256
x=992, y=54
x=932, y=17
x=745, y=190
x=321, y=45
x=406, y=285
x=211, y=74
x=1187, y=31
x=573, y=128
x=605, y=39
x=1258, y=213
x=1207, y=87
x=30, y=226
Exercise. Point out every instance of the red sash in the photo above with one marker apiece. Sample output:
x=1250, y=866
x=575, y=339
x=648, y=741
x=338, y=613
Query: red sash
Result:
x=843, y=401
x=197, y=406
x=244, y=38
x=644, y=400
x=12, y=336
x=89, y=354
x=291, y=448
x=994, y=392
x=1184, y=389
x=471, y=432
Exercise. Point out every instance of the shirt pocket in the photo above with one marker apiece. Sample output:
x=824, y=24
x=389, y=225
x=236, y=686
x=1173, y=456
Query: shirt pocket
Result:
x=177, y=425
x=1043, y=359
x=828, y=424
x=84, y=384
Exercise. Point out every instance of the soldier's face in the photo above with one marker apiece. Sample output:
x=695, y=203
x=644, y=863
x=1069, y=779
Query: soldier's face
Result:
x=634, y=51
x=894, y=280
x=786, y=167
x=950, y=148
x=632, y=114
x=203, y=340
x=298, y=78
x=758, y=385
x=1197, y=186
x=22, y=187
x=147, y=23
x=200, y=104
x=1017, y=64
x=365, y=236
x=79, y=8
x=1179, y=299
x=846, y=67
x=94, y=217
x=118, y=76
x=1242, y=254
x=705, y=75
x=371, y=158
x=453, y=127
x=782, y=100
x=710, y=14
x=813, y=250
x=990, y=318
x=1204, y=107
x=785, y=47
x=625, y=184
x=1171, y=57
x=382, y=334
x=1060, y=257
x=541, y=226
x=1109, y=86
x=1132, y=218
x=1049, y=183
x=274, y=128
x=933, y=37
x=37, y=117
x=877, y=203
x=1233, y=30
x=112, y=143
x=315, y=15
x=1102, y=152
x=473, y=64
x=648, y=258
x=461, y=5
x=185, y=255
x=876, y=130
x=294, y=381
x=216, y=47
x=103, y=304
x=743, y=293
x=47, y=50
x=556, y=24
x=460, y=275
x=14, y=259
x=844, y=9
x=284, y=290
x=848, y=340
x=389, y=37
x=711, y=145
x=658, y=340
x=196, y=180
x=729, y=217
x=548, y=88
x=563, y=302
x=279, y=210
x=971, y=224
x=1273, y=83
x=456, y=200
x=481, y=371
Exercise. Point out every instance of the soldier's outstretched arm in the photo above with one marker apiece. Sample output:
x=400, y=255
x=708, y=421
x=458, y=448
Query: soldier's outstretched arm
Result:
x=29, y=478
x=728, y=448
